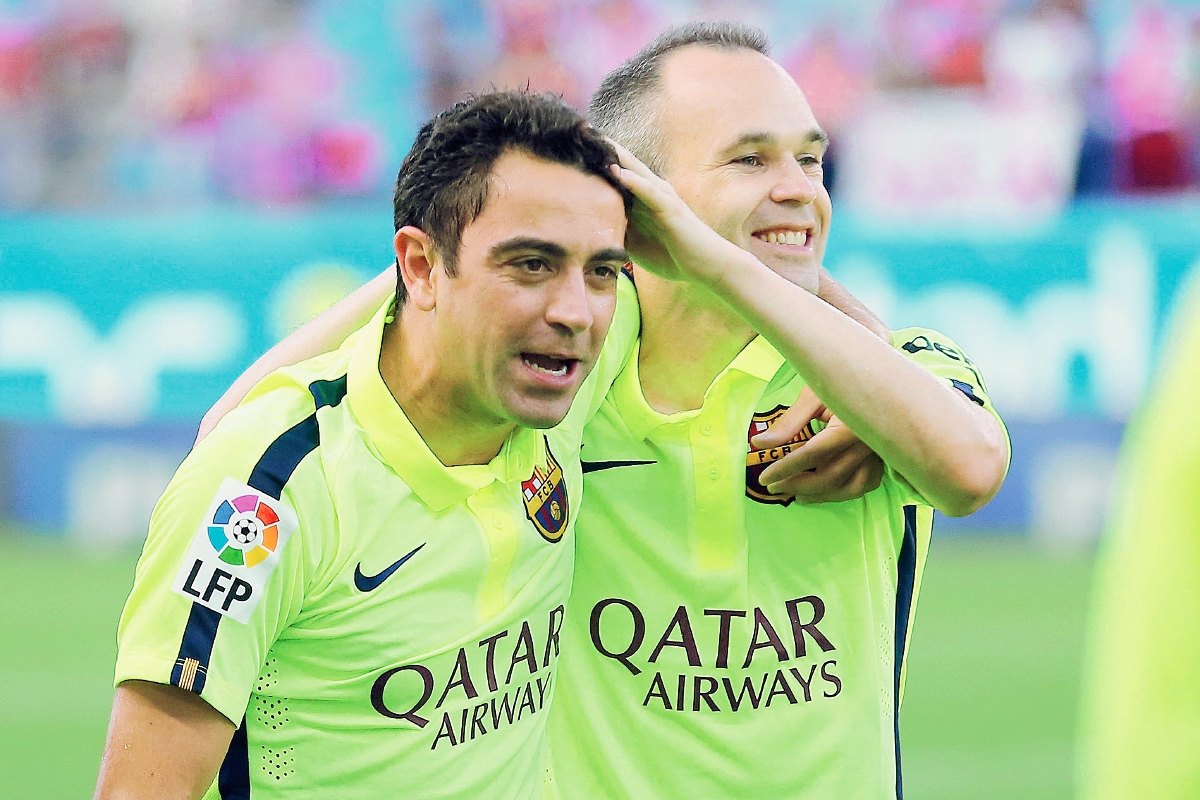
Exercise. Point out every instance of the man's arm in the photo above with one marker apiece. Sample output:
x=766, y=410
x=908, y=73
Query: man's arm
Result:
x=321, y=335
x=163, y=744
x=951, y=451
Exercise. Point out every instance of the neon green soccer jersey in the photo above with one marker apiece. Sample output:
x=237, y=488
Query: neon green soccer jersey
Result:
x=1140, y=734
x=721, y=642
x=375, y=623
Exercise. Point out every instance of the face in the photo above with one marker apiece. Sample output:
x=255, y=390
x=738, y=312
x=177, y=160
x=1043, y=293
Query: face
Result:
x=522, y=323
x=743, y=149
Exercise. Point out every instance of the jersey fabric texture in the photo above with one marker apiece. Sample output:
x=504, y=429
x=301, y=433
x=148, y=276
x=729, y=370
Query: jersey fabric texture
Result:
x=1140, y=736
x=375, y=623
x=723, y=643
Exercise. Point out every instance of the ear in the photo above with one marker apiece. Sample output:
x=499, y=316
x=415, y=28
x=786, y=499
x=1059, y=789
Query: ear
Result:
x=419, y=264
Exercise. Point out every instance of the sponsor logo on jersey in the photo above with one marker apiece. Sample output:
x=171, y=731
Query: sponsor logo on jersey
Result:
x=487, y=686
x=545, y=495
x=759, y=460
x=235, y=550
x=720, y=659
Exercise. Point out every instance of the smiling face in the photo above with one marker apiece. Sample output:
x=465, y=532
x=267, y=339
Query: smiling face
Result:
x=522, y=322
x=743, y=149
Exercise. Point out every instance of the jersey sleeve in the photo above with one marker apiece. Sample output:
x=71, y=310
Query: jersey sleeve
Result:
x=224, y=565
x=946, y=360
x=618, y=345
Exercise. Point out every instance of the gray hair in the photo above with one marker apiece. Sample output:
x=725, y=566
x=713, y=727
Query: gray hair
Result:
x=623, y=108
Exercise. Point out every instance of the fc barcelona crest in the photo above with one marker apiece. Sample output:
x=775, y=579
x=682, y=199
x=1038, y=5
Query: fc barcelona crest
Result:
x=545, y=496
x=759, y=460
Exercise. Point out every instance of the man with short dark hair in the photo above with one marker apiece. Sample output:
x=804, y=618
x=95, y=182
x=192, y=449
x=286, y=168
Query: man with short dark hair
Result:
x=355, y=586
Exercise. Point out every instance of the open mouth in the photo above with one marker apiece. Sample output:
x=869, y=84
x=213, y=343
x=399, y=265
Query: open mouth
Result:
x=786, y=236
x=551, y=366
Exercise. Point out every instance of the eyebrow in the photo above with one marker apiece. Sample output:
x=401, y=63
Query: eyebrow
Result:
x=814, y=136
x=517, y=244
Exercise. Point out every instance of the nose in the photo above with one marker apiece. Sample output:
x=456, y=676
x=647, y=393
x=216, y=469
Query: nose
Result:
x=568, y=303
x=794, y=185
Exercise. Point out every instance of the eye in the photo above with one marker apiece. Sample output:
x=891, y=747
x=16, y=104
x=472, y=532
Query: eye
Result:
x=533, y=264
x=809, y=160
x=751, y=160
x=605, y=271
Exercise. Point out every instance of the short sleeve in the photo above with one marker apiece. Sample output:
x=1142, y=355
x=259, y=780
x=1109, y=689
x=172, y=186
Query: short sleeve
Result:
x=946, y=360
x=223, y=568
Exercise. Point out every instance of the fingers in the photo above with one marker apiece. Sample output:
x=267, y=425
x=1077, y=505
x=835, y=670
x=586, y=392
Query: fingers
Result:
x=789, y=425
x=813, y=454
x=851, y=474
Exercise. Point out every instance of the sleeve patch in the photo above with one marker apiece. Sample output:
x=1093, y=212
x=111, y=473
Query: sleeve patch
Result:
x=235, y=550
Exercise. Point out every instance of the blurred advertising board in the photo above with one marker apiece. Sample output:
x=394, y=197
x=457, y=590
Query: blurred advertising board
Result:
x=117, y=333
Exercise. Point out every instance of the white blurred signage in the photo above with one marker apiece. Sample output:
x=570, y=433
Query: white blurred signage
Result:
x=959, y=158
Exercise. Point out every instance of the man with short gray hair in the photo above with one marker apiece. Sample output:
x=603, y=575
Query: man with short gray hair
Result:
x=723, y=641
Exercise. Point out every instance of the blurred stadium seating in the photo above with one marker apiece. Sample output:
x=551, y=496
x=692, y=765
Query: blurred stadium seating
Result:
x=181, y=184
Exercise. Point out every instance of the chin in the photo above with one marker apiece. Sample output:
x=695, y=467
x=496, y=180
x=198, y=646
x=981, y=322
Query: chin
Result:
x=539, y=414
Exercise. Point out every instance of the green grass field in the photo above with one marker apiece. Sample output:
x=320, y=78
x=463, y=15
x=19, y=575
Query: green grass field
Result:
x=989, y=712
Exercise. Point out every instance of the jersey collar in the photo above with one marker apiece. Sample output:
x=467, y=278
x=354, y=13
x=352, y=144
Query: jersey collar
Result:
x=759, y=360
x=399, y=445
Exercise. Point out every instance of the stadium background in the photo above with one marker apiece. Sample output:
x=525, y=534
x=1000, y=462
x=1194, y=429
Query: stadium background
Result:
x=183, y=183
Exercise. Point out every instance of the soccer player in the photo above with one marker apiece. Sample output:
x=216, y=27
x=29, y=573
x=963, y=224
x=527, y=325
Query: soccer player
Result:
x=355, y=586
x=1140, y=735
x=723, y=641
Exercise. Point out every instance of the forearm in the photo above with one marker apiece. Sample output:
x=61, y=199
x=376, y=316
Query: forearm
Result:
x=163, y=744
x=321, y=335
x=949, y=449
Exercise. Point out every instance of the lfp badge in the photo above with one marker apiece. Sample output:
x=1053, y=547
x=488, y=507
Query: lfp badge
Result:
x=546, y=499
x=235, y=550
x=244, y=530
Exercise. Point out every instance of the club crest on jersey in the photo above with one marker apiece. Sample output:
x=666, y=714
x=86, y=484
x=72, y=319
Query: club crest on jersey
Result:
x=759, y=460
x=545, y=495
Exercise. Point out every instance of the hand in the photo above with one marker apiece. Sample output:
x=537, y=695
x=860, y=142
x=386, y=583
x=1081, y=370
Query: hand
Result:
x=833, y=465
x=665, y=236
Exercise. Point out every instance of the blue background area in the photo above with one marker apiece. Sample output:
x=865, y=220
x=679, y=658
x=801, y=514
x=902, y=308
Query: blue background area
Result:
x=104, y=265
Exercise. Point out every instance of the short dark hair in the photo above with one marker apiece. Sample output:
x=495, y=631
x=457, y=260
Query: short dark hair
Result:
x=622, y=106
x=443, y=181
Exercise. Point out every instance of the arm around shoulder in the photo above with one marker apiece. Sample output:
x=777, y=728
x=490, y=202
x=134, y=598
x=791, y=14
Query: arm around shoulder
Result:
x=321, y=335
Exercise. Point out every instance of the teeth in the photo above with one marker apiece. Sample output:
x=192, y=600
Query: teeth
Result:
x=784, y=237
x=557, y=372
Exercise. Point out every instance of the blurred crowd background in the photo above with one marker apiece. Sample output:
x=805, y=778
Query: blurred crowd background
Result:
x=118, y=104
x=182, y=183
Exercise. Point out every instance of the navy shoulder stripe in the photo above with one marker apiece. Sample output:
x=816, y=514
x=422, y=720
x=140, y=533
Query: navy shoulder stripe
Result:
x=191, y=665
x=269, y=476
x=280, y=460
x=233, y=781
x=328, y=393
x=906, y=574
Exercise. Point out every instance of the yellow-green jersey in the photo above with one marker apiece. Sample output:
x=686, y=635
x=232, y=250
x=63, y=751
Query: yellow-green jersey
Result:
x=1140, y=733
x=722, y=642
x=374, y=623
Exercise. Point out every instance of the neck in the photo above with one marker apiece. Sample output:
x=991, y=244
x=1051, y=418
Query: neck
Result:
x=688, y=336
x=432, y=400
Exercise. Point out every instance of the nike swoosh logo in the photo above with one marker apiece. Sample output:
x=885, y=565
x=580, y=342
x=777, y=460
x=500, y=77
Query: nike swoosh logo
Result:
x=369, y=583
x=596, y=466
